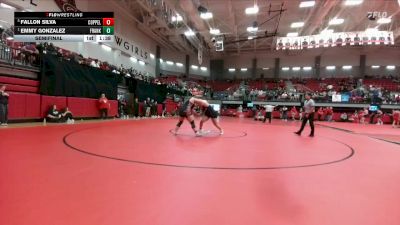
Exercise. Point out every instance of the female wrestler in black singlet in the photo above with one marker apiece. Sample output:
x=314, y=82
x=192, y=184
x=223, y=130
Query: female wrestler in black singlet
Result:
x=186, y=111
x=208, y=112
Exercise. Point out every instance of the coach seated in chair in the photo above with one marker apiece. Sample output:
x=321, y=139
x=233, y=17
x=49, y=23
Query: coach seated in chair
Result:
x=55, y=116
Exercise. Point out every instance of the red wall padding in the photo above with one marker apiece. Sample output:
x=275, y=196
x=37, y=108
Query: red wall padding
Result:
x=113, y=111
x=16, y=106
x=32, y=110
x=159, y=109
x=141, y=109
x=47, y=101
x=19, y=81
x=22, y=88
x=87, y=107
x=83, y=107
x=24, y=106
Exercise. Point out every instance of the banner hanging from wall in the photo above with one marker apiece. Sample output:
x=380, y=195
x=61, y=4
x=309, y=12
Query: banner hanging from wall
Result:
x=369, y=37
x=129, y=47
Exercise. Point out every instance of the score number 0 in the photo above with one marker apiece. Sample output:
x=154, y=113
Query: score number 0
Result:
x=108, y=22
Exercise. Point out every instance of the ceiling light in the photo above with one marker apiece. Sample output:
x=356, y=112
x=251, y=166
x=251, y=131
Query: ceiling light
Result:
x=293, y=34
x=375, y=67
x=307, y=68
x=127, y=75
x=331, y=67
x=203, y=68
x=10, y=38
x=336, y=21
x=285, y=68
x=133, y=59
x=252, y=10
x=206, y=15
x=179, y=64
x=195, y=67
x=346, y=67
x=252, y=29
x=177, y=18
x=141, y=63
x=251, y=37
x=161, y=60
x=243, y=69
x=296, y=68
x=384, y=20
x=353, y=2
x=306, y=4
x=297, y=24
x=151, y=56
x=390, y=67
x=189, y=33
x=265, y=68
x=231, y=69
x=214, y=31
x=3, y=5
x=170, y=63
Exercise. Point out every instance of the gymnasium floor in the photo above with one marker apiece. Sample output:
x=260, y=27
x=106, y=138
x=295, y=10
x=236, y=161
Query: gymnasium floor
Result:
x=136, y=172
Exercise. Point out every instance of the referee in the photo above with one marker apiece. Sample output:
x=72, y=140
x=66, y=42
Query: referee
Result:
x=309, y=109
x=268, y=112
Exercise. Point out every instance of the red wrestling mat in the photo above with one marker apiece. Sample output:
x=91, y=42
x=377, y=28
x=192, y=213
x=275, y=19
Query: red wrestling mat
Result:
x=137, y=172
x=382, y=132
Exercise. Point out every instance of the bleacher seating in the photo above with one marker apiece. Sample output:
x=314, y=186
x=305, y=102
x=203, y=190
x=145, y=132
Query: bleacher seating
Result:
x=382, y=82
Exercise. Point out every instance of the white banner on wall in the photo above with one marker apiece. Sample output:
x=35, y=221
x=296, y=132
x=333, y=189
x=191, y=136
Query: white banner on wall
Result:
x=371, y=37
x=129, y=47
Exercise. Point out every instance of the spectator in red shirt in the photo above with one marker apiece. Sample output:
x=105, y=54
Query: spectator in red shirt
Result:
x=396, y=118
x=320, y=114
x=329, y=113
x=104, y=105
x=293, y=112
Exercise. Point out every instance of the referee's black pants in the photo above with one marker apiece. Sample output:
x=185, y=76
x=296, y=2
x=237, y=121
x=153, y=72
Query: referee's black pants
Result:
x=310, y=118
x=269, y=116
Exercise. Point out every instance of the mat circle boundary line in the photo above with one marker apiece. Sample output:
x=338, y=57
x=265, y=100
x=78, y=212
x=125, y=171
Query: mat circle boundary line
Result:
x=65, y=141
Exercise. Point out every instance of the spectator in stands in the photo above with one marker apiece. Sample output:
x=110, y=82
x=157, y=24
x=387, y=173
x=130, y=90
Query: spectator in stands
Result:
x=293, y=112
x=354, y=117
x=344, y=117
x=3, y=105
x=396, y=118
x=148, y=107
x=29, y=54
x=154, y=107
x=66, y=116
x=136, y=108
x=104, y=105
x=95, y=63
x=284, y=113
x=55, y=116
x=301, y=114
x=329, y=113
x=364, y=115
x=379, y=115
x=320, y=114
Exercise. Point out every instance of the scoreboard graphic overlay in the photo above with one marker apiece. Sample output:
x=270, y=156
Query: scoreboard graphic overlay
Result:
x=64, y=26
